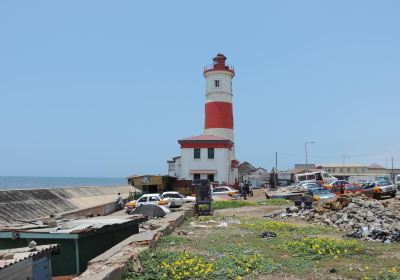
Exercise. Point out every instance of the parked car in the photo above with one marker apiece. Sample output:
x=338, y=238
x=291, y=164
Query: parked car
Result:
x=310, y=185
x=379, y=189
x=336, y=184
x=152, y=198
x=397, y=181
x=347, y=188
x=318, y=194
x=353, y=188
x=225, y=190
x=382, y=178
x=178, y=199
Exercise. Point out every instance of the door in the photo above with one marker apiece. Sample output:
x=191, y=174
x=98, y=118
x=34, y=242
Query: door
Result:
x=142, y=200
x=153, y=200
x=42, y=269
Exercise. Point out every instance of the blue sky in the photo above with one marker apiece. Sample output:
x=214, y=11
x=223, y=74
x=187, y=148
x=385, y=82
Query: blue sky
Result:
x=100, y=88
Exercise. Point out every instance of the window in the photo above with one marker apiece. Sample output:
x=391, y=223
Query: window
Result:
x=348, y=169
x=216, y=83
x=196, y=154
x=196, y=176
x=210, y=152
x=341, y=169
x=329, y=170
x=143, y=199
x=210, y=177
x=153, y=198
x=333, y=169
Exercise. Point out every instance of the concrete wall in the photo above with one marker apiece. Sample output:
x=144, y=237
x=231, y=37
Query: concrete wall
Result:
x=25, y=205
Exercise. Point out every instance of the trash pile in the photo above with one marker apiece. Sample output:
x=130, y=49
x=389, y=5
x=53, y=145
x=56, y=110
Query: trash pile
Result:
x=358, y=215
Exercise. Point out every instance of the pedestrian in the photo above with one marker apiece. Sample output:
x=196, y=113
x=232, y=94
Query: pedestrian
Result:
x=120, y=202
x=246, y=190
x=243, y=190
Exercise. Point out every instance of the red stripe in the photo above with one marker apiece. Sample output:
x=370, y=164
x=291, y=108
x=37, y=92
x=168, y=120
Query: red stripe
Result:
x=219, y=115
x=205, y=145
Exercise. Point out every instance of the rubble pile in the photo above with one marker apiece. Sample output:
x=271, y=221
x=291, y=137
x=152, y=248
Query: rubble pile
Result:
x=359, y=216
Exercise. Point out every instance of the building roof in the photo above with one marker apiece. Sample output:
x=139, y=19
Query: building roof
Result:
x=376, y=166
x=205, y=138
x=330, y=165
x=73, y=226
x=12, y=256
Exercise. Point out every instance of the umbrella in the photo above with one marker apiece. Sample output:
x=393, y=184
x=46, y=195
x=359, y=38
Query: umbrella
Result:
x=150, y=210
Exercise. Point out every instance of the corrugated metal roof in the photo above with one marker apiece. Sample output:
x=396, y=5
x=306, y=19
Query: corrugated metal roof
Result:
x=11, y=256
x=86, y=225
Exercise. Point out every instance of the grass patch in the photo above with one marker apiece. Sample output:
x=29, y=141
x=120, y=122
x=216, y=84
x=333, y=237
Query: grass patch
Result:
x=161, y=264
x=238, y=252
x=274, y=201
x=283, y=228
x=223, y=204
x=322, y=247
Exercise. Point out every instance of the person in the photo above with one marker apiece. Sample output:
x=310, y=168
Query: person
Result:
x=246, y=190
x=120, y=202
x=243, y=190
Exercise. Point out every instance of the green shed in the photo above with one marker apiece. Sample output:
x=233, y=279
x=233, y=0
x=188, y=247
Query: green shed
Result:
x=80, y=240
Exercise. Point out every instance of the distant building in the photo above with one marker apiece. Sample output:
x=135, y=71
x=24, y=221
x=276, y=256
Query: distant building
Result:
x=257, y=178
x=244, y=169
x=344, y=171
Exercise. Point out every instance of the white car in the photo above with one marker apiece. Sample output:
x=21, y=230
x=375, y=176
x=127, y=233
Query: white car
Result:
x=152, y=198
x=225, y=190
x=178, y=199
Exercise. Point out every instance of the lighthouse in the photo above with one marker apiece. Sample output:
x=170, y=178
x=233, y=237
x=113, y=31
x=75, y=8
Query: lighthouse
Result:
x=218, y=111
x=211, y=155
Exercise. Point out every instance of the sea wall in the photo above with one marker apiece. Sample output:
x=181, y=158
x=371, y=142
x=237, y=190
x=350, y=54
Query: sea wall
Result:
x=27, y=205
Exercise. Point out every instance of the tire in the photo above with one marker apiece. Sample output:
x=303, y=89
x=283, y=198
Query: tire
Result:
x=393, y=194
x=377, y=196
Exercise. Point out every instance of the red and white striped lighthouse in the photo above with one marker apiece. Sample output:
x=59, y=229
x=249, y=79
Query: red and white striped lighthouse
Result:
x=219, y=114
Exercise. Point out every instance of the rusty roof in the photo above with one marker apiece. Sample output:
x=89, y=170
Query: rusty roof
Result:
x=12, y=256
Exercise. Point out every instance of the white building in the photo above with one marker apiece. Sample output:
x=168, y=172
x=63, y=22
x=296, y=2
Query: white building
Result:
x=212, y=154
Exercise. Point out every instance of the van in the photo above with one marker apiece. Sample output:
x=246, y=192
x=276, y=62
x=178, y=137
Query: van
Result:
x=397, y=180
x=320, y=176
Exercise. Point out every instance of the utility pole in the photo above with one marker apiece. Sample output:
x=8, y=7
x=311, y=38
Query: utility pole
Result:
x=392, y=171
x=276, y=169
x=305, y=148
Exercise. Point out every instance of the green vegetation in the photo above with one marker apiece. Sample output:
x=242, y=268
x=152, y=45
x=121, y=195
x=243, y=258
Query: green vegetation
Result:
x=231, y=262
x=222, y=204
x=239, y=252
x=274, y=201
x=323, y=246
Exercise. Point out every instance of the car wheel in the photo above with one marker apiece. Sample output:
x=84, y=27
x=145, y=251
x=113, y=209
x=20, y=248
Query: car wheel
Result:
x=377, y=196
x=393, y=194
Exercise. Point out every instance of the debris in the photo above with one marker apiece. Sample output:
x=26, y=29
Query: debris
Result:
x=268, y=235
x=333, y=270
x=183, y=232
x=358, y=215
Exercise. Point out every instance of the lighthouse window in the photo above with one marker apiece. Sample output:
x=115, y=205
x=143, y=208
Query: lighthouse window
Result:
x=210, y=152
x=216, y=83
x=196, y=153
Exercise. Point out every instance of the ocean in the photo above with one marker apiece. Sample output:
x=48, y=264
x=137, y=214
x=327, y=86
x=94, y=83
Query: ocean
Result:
x=22, y=182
